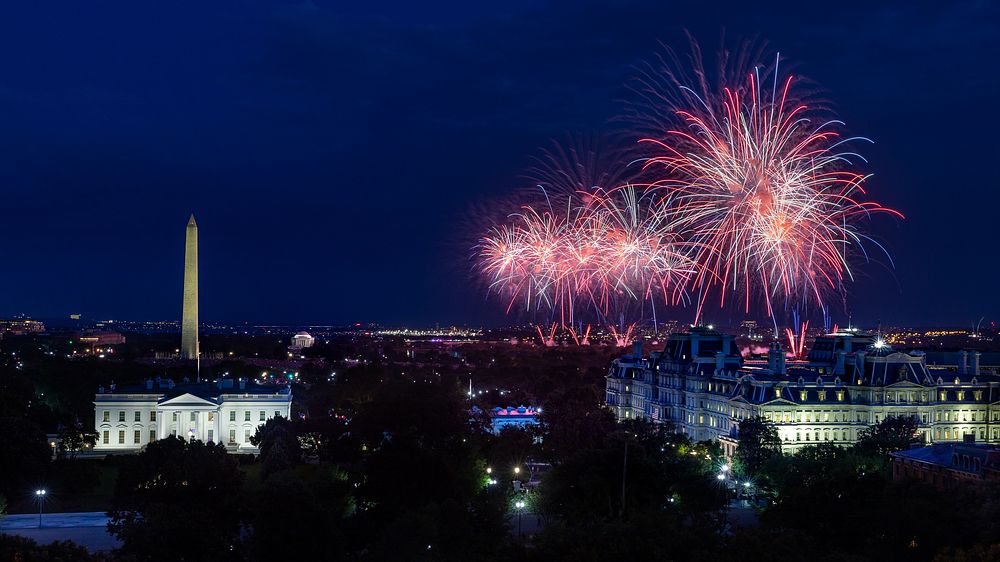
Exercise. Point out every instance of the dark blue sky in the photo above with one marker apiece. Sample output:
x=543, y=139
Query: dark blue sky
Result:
x=331, y=152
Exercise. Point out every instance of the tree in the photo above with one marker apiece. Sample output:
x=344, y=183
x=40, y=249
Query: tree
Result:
x=13, y=547
x=298, y=515
x=279, y=445
x=73, y=438
x=894, y=433
x=177, y=501
x=24, y=456
x=758, y=443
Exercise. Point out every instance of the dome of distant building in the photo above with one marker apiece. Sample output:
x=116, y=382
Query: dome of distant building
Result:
x=302, y=340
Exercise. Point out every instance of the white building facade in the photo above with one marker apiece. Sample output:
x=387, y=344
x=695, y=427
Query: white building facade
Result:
x=226, y=412
x=702, y=387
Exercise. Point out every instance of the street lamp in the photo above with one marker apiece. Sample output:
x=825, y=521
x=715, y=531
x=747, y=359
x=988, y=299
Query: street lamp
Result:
x=40, y=496
x=519, y=504
x=517, y=470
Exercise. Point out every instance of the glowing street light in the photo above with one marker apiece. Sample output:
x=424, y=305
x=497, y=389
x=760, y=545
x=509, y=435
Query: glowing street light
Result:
x=517, y=470
x=40, y=496
x=724, y=468
x=720, y=476
x=519, y=504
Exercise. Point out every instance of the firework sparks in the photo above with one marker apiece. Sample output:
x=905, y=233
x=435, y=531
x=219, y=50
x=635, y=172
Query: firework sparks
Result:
x=745, y=192
x=767, y=195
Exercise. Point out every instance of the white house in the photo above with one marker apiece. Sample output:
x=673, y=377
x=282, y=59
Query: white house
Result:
x=226, y=412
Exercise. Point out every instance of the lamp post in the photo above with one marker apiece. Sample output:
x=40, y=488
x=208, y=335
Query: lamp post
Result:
x=40, y=496
x=519, y=504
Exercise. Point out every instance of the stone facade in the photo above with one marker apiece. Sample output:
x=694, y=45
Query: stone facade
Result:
x=702, y=386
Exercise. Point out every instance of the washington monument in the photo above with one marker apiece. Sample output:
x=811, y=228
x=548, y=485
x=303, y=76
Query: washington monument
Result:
x=189, y=316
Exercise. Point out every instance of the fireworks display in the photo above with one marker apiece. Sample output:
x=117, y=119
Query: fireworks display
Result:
x=743, y=194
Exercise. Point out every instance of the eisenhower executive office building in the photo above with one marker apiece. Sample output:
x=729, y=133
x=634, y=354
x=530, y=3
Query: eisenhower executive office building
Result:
x=701, y=385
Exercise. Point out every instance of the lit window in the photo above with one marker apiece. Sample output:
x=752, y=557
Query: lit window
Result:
x=121, y=436
x=152, y=416
x=246, y=435
x=821, y=395
x=232, y=417
x=104, y=437
x=211, y=417
x=232, y=436
x=107, y=416
x=960, y=395
x=173, y=416
x=137, y=436
x=840, y=395
x=152, y=435
x=802, y=395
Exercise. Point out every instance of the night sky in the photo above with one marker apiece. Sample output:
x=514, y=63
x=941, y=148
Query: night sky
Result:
x=332, y=153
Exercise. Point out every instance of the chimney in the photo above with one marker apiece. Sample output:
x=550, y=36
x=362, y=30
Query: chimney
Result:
x=100, y=389
x=776, y=359
x=149, y=384
x=963, y=362
x=975, y=363
x=720, y=361
x=112, y=386
x=170, y=383
x=838, y=366
x=243, y=384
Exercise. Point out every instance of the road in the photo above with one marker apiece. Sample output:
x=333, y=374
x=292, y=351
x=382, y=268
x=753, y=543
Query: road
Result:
x=87, y=529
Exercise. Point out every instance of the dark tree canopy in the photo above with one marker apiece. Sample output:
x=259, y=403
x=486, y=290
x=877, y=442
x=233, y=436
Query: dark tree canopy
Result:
x=177, y=501
x=894, y=433
x=278, y=443
x=759, y=442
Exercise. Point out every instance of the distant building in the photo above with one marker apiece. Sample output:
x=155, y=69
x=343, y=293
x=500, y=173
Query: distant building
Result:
x=522, y=417
x=701, y=385
x=302, y=340
x=100, y=338
x=228, y=412
x=945, y=464
x=21, y=327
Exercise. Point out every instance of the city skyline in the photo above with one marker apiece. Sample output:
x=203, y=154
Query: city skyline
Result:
x=261, y=141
